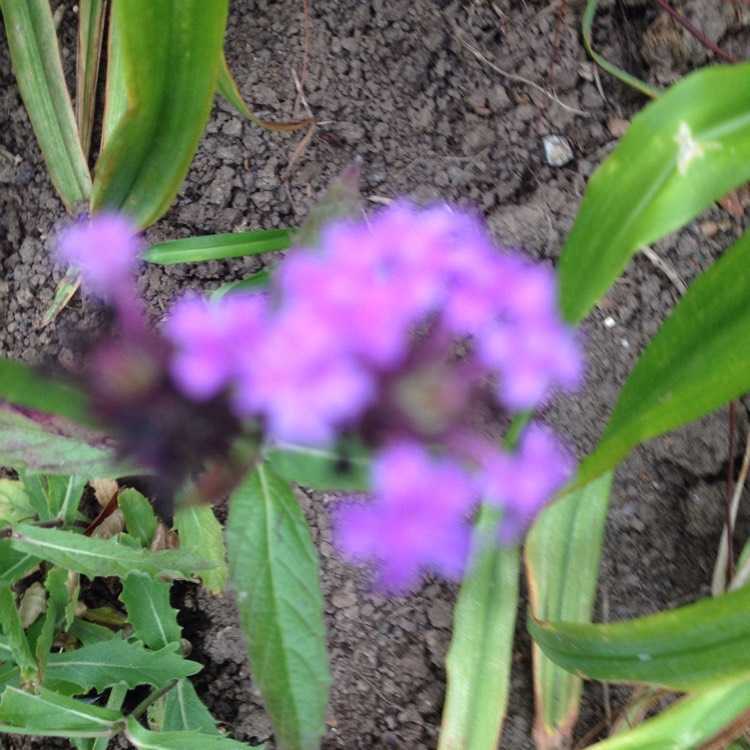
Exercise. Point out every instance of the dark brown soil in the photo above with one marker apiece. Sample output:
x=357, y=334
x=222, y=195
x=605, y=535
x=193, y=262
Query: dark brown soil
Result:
x=436, y=99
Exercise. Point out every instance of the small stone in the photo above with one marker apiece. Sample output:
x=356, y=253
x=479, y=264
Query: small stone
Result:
x=709, y=228
x=617, y=126
x=609, y=322
x=557, y=150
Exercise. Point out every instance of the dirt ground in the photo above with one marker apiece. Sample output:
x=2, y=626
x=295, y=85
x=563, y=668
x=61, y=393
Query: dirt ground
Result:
x=436, y=99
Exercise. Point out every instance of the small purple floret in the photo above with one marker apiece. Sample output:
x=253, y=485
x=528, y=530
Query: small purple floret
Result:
x=418, y=521
x=105, y=250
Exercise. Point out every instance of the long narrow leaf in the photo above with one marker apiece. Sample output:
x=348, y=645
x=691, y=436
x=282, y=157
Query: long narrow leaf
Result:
x=690, y=723
x=680, y=154
x=219, y=246
x=562, y=555
x=171, y=54
x=91, y=14
x=36, y=61
x=697, y=362
x=481, y=653
x=696, y=647
x=274, y=571
x=144, y=739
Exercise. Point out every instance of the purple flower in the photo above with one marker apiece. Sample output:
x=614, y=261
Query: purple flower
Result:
x=296, y=375
x=417, y=522
x=524, y=481
x=105, y=250
x=209, y=339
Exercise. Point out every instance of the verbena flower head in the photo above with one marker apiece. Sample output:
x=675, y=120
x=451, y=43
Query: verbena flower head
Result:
x=392, y=330
x=105, y=250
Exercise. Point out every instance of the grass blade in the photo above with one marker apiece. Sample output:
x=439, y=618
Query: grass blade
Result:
x=36, y=61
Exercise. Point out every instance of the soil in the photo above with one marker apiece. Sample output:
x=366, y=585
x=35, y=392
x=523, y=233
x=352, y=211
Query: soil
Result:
x=437, y=100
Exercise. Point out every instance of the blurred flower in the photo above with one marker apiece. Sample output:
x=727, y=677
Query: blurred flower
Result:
x=418, y=521
x=524, y=481
x=105, y=250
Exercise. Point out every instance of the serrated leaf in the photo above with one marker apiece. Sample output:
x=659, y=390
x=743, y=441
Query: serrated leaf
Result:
x=481, y=652
x=562, y=553
x=185, y=711
x=103, y=664
x=696, y=647
x=52, y=715
x=47, y=444
x=697, y=362
x=14, y=503
x=680, y=154
x=346, y=467
x=36, y=63
x=274, y=571
x=144, y=739
x=102, y=557
x=200, y=529
x=688, y=724
x=89, y=633
x=219, y=246
x=171, y=55
x=140, y=519
x=153, y=619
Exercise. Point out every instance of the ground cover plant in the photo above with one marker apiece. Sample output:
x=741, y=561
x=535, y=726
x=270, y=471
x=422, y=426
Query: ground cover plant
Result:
x=685, y=152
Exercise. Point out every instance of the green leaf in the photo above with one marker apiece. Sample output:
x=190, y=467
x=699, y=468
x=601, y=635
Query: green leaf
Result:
x=140, y=519
x=346, y=467
x=66, y=288
x=184, y=711
x=101, y=557
x=115, y=95
x=171, y=54
x=200, y=529
x=258, y=281
x=51, y=715
x=47, y=444
x=23, y=385
x=274, y=571
x=586, y=28
x=696, y=362
x=699, y=646
x=153, y=619
x=691, y=722
x=14, y=565
x=89, y=632
x=226, y=86
x=91, y=14
x=481, y=652
x=36, y=62
x=219, y=246
x=101, y=665
x=14, y=503
x=680, y=154
x=11, y=626
x=144, y=739
x=562, y=554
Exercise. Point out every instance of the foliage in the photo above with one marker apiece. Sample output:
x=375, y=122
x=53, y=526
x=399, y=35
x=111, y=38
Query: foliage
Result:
x=165, y=62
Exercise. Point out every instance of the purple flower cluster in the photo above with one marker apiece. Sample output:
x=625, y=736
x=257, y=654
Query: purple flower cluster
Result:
x=397, y=331
x=362, y=336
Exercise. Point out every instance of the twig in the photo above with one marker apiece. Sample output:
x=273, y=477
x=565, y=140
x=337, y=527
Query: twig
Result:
x=718, y=582
x=666, y=269
x=306, y=47
x=513, y=77
x=697, y=33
